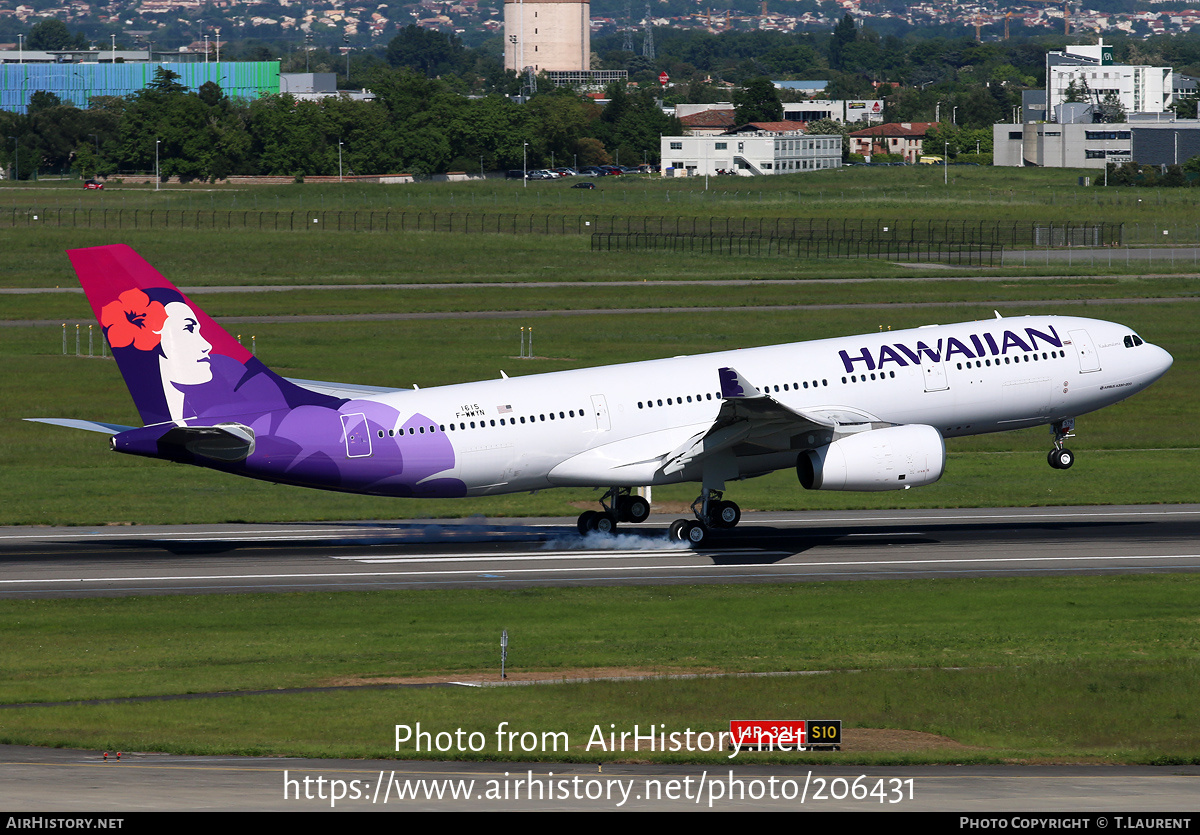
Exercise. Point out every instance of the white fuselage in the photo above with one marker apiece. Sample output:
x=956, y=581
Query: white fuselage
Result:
x=611, y=426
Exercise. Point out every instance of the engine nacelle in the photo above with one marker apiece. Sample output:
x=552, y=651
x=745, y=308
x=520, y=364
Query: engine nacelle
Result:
x=877, y=459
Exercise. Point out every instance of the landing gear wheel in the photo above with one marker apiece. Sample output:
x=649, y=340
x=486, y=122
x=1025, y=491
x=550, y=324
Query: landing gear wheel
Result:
x=587, y=522
x=603, y=523
x=1061, y=459
x=694, y=533
x=728, y=515
x=675, y=532
x=633, y=509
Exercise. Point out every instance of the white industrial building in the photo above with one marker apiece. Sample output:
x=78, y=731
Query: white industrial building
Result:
x=1083, y=145
x=755, y=149
x=1140, y=89
x=1075, y=138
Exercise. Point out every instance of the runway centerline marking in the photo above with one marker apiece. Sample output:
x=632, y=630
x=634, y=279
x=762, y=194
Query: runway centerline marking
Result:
x=611, y=568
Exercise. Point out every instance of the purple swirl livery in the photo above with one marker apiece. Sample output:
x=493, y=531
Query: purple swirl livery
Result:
x=206, y=400
x=865, y=412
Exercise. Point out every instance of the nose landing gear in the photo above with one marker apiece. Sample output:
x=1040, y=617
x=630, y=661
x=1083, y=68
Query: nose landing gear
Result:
x=1061, y=458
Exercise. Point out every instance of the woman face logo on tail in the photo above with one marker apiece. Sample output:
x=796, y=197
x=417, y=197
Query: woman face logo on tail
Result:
x=185, y=351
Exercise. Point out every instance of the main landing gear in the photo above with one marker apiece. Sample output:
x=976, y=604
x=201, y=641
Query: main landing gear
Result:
x=620, y=505
x=711, y=513
x=1061, y=458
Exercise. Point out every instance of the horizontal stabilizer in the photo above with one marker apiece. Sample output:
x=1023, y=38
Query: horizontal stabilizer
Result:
x=89, y=425
x=349, y=391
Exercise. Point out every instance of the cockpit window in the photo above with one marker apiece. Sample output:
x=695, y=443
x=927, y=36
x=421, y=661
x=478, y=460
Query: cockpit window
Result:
x=1132, y=340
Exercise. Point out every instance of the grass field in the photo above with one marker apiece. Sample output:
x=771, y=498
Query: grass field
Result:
x=1042, y=669
x=1068, y=654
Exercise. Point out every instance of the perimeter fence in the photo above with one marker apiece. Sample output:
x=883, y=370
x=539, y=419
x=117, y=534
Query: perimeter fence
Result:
x=916, y=251
x=946, y=231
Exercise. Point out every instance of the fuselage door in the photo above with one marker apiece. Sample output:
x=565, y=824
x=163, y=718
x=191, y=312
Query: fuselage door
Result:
x=357, y=435
x=935, y=373
x=1089, y=358
x=600, y=407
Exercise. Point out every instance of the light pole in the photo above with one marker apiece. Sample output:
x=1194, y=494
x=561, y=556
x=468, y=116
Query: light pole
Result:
x=946, y=164
x=339, y=160
x=206, y=47
x=20, y=49
x=525, y=164
x=218, y=46
x=954, y=115
x=157, y=176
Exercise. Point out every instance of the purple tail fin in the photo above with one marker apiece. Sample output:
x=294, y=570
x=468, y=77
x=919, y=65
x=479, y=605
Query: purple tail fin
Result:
x=178, y=363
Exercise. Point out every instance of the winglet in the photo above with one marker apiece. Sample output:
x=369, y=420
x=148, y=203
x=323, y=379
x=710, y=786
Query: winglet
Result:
x=734, y=385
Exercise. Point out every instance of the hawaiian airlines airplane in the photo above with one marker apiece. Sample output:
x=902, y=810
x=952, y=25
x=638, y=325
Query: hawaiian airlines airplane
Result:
x=867, y=412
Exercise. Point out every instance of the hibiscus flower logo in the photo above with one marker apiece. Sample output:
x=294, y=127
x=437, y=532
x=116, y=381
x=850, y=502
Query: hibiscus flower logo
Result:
x=133, y=320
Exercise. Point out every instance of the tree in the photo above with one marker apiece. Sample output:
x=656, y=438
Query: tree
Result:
x=843, y=35
x=43, y=100
x=427, y=51
x=757, y=101
x=1076, y=93
x=1111, y=109
x=51, y=35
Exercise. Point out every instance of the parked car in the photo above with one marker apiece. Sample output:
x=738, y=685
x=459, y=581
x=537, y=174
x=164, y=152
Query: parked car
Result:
x=93, y=184
x=584, y=184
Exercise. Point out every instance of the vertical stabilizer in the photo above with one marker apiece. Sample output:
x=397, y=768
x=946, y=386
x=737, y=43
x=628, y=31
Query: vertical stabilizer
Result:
x=178, y=363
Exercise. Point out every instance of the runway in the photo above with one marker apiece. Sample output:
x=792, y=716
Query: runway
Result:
x=46, y=780
x=475, y=553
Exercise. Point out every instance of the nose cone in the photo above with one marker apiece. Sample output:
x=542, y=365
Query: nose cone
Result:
x=1160, y=361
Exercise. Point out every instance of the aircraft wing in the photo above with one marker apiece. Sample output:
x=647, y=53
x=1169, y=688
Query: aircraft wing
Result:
x=348, y=390
x=751, y=417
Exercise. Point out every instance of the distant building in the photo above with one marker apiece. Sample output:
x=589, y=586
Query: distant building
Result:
x=77, y=83
x=757, y=148
x=551, y=35
x=312, y=86
x=904, y=138
x=839, y=110
x=706, y=122
x=1082, y=145
x=1090, y=67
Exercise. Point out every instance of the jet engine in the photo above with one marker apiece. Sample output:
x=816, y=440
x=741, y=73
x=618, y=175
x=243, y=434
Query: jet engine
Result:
x=893, y=458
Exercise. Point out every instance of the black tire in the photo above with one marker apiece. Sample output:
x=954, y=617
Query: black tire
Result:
x=586, y=522
x=728, y=514
x=694, y=533
x=675, y=532
x=634, y=509
x=1052, y=458
x=604, y=523
x=1064, y=458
